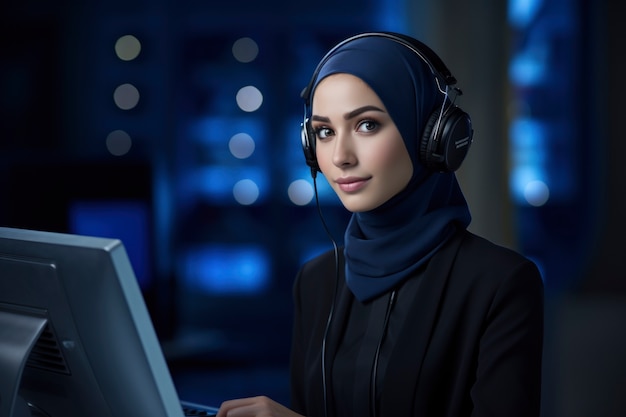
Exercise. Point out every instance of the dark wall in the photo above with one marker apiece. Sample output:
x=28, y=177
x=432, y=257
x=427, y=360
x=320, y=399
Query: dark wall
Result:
x=607, y=272
x=585, y=365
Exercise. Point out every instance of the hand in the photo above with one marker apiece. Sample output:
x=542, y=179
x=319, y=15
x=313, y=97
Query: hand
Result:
x=254, y=407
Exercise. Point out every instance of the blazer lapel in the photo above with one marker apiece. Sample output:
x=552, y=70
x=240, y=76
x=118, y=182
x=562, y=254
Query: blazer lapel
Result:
x=341, y=312
x=415, y=337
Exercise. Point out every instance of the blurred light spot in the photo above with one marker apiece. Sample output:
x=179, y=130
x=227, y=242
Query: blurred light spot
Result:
x=245, y=50
x=217, y=182
x=241, y=145
x=529, y=67
x=118, y=142
x=536, y=193
x=126, y=96
x=522, y=12
x=300, y=192
x=530, y=166
x=127, y=48
x=246, y=192
x=224, y=269
x=249, y=98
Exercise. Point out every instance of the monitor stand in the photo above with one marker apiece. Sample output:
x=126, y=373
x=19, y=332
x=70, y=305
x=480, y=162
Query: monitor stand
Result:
x=18, y=334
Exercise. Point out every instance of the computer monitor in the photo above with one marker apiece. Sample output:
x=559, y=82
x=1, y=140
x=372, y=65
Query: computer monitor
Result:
x=76, y=338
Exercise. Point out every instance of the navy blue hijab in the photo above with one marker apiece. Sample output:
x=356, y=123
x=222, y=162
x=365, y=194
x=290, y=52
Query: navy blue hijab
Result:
x=386, y=245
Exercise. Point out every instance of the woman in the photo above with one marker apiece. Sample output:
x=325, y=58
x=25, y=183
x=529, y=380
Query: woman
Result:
x=416, y=316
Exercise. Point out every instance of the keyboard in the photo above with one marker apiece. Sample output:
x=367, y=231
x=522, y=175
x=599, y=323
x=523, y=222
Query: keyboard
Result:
x=192, y=409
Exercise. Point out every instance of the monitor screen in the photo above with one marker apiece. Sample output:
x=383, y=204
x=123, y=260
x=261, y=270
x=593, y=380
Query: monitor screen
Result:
x=76, y=338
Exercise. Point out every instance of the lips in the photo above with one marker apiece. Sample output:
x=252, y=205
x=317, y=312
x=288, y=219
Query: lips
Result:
x=351, y=184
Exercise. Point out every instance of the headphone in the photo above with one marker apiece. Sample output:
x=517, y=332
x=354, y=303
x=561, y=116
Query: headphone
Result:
x=448, y=133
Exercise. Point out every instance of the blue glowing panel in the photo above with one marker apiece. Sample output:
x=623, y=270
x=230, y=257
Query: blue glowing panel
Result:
x=530, y=67
x=220, y=184
x=222, y=269
x=529, y=156
x=542, y=162
x=543, y=135
x=214, y=136
x=522, y=12
x=124, y=220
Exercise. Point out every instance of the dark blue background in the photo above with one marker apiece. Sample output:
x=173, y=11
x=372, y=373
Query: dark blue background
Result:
x=217, y=274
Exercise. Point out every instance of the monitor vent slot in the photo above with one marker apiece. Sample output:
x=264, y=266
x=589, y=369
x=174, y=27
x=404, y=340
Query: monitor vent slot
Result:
x=47, y=354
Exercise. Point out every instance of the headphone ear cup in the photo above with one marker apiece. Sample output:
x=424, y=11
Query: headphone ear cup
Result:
x=428, y=144
x=443, y=148
x=308, y=145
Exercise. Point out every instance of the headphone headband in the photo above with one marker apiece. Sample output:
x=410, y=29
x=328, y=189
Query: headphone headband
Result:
x=435, y=64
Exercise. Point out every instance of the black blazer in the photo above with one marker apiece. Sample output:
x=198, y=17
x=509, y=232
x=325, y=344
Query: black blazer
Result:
x=471, y=346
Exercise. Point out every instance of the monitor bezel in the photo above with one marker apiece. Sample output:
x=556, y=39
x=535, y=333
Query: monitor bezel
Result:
x=86, y=289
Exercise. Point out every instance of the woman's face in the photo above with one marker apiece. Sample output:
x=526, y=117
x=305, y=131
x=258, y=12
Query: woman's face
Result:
x=359, y=148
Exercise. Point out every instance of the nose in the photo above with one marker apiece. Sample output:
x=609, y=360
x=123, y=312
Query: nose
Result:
x=344, y=152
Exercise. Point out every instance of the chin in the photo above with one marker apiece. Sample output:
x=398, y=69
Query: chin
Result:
x=358, y=207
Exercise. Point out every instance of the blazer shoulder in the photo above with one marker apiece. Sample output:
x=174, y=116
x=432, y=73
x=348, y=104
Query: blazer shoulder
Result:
x=321, y=270
x=323, y=260
x=481, y=249
x=480, y=257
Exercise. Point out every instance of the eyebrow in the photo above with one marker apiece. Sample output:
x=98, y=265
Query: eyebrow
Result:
x=350, y=114
x=360, y=110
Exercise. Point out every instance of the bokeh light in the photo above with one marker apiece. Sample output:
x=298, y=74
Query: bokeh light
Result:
x=126, y=96
x=536, y=193
x=249, y=98
x=118, y=142
x=300, y=192
x=241, y=145
x=246, y=192
x=245, y=50
x=127, y=48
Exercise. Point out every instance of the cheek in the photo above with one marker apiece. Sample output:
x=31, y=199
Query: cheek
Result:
x=390, y=158
x=395, y=163
x=324, y=157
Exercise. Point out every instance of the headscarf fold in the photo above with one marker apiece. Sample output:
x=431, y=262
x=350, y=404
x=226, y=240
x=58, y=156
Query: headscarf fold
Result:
x=385, y=246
